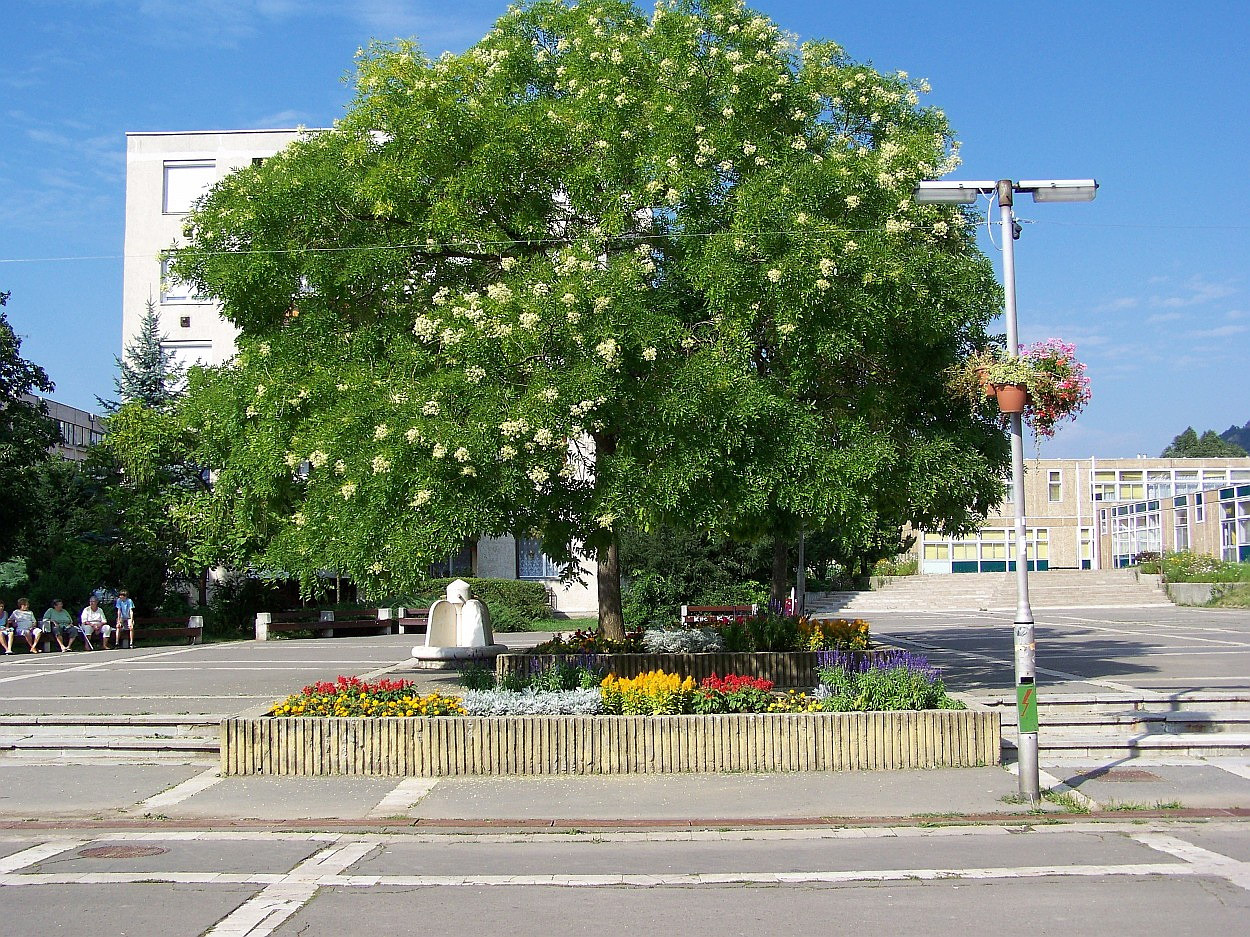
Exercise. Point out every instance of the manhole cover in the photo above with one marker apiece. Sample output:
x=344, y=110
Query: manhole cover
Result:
x=121, y=852
x=1124, y=774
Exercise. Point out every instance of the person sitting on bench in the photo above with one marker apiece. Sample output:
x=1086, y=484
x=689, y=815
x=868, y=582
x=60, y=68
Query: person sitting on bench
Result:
x=25, y=626
x=61, y=624
x=125, y=620
x=92, y=621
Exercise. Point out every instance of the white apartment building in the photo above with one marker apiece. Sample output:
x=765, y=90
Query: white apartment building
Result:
x=165, y=174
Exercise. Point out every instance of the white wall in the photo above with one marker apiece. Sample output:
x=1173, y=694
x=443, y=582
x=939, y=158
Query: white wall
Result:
x=149, y=230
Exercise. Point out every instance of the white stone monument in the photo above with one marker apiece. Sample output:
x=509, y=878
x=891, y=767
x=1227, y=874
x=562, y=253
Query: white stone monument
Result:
x=458, y=632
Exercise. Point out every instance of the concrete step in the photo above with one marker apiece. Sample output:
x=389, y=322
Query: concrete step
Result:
x=1190, y=745
x=72, y=738
x=962, y=591
x=66, y=729
x=1054, y=706
x=145, y=750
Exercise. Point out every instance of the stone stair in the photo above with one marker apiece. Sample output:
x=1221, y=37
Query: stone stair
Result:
x=58, y=738
x=1110, y=725
x=1056, y=588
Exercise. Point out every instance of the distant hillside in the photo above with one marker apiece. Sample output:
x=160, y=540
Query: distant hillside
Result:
x=1238, y=436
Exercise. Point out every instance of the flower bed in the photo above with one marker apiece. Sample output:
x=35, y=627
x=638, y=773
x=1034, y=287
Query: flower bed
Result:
x=781, y=668
x=569, y=720
x=350, y=696
x=547, y=745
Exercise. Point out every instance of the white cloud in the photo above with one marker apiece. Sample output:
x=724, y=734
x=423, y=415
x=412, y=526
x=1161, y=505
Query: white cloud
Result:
x=1196, y=292
x=1164, y=317
x=1118, y=304
x=1223, y=331
x=282, y=119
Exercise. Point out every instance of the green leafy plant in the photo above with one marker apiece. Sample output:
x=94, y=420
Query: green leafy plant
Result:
x=1185, y=566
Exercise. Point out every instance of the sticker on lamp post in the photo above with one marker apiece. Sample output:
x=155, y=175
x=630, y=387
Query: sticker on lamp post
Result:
x=1026, y=706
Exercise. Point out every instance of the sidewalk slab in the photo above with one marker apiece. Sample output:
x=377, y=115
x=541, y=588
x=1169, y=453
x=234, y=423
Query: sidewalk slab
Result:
x=267, y=798
x=723, y=796
x=43, y=791
x=1123, y=783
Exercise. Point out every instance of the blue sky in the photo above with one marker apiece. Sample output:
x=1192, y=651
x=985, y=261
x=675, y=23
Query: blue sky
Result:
x=1151, y=280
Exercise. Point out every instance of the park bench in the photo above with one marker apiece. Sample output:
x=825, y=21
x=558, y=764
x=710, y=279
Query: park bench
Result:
x=191, y=628
x=696, y=615
x=413, y=620
x=324, y=624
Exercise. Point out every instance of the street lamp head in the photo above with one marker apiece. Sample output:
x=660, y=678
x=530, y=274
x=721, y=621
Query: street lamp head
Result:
x=1059, y=190
x=951, y=192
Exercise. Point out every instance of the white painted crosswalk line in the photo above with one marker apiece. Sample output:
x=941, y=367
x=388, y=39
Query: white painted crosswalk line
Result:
x=19, y=860
x=406, y=793
x=265, y=912
x=179, y=792
x=1203, y=860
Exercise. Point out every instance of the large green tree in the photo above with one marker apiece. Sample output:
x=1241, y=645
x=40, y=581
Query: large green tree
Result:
x=602, y=269
x=1189, y=445
x=27, y=434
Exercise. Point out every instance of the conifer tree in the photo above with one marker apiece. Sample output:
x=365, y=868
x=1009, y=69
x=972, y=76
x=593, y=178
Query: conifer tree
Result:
x=148, y=374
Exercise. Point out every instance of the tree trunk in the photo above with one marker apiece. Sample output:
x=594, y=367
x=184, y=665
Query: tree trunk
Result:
x=611, y=619
x=781, y=555
x=202, y=588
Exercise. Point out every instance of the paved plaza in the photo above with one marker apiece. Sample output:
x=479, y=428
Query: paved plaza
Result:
x=1174, y=879
x=174, y=848
x=1161, y=650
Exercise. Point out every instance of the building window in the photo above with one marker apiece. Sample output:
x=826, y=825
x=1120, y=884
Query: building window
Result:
x=184, y=322
x=532, y=562
x=1158, y=484
x=1054, y=486
x=456, y=564
x=1103, y=486
x=175, y=291
x=258, y=161
x=1199, y=509
x=185, y=182
x=1181, y=529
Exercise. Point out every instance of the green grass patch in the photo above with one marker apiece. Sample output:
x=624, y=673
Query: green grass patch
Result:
x=1067, y=800
x=1236, y=597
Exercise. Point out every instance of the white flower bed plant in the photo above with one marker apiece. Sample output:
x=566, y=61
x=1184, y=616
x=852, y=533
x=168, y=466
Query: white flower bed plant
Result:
x=532, y=702
x=683, y=640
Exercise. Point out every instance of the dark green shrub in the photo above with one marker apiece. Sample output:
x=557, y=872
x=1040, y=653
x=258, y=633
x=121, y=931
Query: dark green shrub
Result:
x=477, y=677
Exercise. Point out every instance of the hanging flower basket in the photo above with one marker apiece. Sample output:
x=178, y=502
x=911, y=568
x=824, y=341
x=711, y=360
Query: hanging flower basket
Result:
x=1012, y=398
x=1045, y=382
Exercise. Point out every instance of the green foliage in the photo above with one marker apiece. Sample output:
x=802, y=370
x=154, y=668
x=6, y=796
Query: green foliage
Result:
x=477, y=677
x=897, y=566
x=1189, y=445
x=767, y=631
x=668, y=568
x=231, y=611
x=1238, y=436
x=1199, y=567
x=554, y=677
x=1237, y=596
x=877, y=689
x=148, y=374
x=581, y=271
x=591, y=642
x=515, y=605
x=26, y=434
x=79, y=545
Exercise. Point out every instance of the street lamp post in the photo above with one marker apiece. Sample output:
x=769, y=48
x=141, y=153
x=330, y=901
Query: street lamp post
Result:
x=1025, y=640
